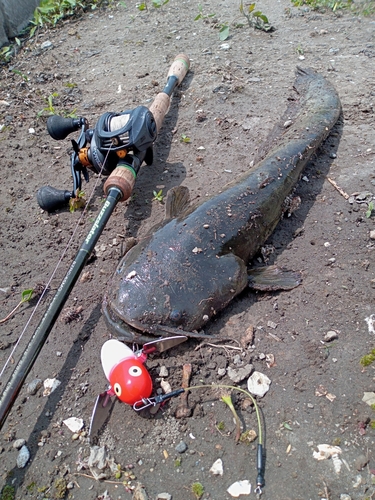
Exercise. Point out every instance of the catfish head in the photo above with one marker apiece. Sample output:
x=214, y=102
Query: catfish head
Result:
x=173, y=281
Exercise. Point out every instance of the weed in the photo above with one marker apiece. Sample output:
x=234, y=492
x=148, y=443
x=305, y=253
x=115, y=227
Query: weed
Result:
x=51, y=110
x=202, y=15
x=25, y=297
x=185, y=138
x=197, y=489
x=227, y=399
x=372, y=424
x=8, y=493
x=158, y=196
x=6, y=53
x=333, y=5
x=221, y=426
x=77, y=202
x=177, y=462
x=300, y=50
x=155, y=3
x=370, y=209
x=224, y=32
x=367, y=359
x=22, y=75
x=255, y=18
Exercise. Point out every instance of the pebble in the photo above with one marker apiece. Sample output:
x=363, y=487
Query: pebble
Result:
x=23, y=457
x=164, y=496
x=372, y=235
x=345, y=496
x=18, y=443
x=181, y=447
x=163, y=372
x=34, y=386
x=238, y=375
x=331, y=335
x=217, y=468
x=258, y=384
x=361, y=462
x=46, y=45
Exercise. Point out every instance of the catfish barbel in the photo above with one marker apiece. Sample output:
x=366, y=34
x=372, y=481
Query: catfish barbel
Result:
x=184, y=272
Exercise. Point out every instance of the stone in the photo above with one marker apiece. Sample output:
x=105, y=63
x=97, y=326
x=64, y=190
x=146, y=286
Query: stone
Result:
x=181, y=447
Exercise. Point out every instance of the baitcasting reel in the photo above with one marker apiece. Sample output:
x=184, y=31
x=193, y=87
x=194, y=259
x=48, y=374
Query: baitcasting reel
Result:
x=118, y=140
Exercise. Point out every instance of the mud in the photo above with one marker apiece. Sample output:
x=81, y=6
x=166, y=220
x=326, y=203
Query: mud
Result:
x=228, y=103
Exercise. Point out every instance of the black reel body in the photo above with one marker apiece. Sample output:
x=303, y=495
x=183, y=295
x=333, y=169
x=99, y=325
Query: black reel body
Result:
x=126, y=136
x=116, y=134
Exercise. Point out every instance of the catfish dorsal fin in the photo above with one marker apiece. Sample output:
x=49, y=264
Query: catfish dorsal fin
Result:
x=178, y=200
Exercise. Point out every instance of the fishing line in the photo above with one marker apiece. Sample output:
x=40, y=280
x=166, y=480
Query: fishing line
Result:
x=260, y=456
x=56, y=267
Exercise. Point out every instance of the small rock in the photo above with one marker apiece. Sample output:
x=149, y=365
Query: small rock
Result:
x=98, y=457
x=50, y=384
x=288, y=123
x=18, y=443
x=46, y=45
x=181, y=447
x=240, y=488
x=221, y=372
x=331, y=335
x=258, y=384
x=238, y=375
x=139, y=493
x=34, y=386
x=164, y=496
x=372, y=234
x=74, y=424
x=345, y=496
x=217, y=468
x=361, y=462
x=23, y=457
x=163, y=372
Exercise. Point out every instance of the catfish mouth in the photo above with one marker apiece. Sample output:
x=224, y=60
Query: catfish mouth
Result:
x=126, y=332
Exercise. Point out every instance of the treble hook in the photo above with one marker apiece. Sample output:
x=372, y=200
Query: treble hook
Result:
x=157, y=400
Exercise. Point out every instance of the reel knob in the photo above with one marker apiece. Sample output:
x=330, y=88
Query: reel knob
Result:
x=51, y=199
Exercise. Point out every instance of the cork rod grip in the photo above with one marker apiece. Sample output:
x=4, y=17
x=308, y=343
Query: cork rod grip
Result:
x=179, y=67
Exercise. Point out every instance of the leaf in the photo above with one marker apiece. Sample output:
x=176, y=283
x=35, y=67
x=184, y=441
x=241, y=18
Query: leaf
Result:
x=199, y=16
x=251, y=7
x=185, y=138
x=27, y=294
x=287, y=426
x=224, y=33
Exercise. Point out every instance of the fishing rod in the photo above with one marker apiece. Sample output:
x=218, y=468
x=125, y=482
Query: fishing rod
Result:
x=117, y=147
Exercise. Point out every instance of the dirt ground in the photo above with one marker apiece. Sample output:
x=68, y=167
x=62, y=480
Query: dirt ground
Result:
x=234, y=93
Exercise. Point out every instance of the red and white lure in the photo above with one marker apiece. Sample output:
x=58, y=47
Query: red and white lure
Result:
x=129, y=379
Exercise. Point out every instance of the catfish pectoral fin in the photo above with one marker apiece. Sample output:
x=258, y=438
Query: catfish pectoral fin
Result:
x=272, y=278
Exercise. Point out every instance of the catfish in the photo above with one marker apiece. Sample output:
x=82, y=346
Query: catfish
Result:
x=184, y=272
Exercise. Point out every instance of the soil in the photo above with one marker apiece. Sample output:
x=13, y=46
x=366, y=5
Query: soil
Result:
x=235, y=91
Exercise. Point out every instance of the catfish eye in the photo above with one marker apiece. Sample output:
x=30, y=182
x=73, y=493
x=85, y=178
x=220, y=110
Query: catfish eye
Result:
x=135, y=371
x=117, y=389
x=175, y=315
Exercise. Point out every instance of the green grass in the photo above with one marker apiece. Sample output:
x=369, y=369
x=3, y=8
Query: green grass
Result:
x=365, y=8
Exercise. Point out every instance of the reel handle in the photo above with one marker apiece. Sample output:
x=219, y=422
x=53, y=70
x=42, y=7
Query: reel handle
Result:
x=59, y=128
x=51, y=199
